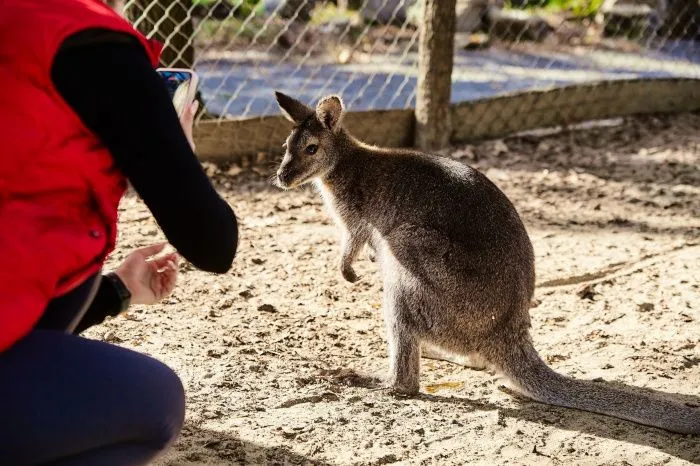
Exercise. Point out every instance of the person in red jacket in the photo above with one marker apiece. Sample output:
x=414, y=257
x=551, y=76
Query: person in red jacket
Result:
x=82, y=111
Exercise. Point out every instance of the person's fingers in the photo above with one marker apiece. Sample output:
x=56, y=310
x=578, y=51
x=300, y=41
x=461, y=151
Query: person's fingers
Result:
x=170, y=271
x=168, y=284
x=163, y=262
x=157, y=287
x=172, y=265
x=187, y=117
x=163, y=280
x=170, y=277
x=151, y=250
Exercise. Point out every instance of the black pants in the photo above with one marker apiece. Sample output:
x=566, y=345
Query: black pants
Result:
x=67, y=400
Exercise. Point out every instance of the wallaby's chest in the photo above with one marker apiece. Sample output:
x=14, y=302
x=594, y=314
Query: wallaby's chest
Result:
x=341, y=212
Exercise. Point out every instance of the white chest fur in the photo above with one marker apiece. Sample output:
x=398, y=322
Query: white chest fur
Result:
x=330, y=203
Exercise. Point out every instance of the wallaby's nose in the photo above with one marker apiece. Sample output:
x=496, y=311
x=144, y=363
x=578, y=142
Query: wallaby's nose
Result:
x=280, y=178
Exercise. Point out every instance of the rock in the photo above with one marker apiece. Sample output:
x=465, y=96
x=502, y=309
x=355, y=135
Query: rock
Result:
x=216, y=353
x=470, y=14
x=297, y=36
x=234, y=170
x=632, y=21
x=469, y=41
x=645, y=307
x=299, y=10
x=223, y=303
x=267, y=308
x=586, y=291
x=390, y=11
x=111, y=337
x=387, y=459
x=515, y=25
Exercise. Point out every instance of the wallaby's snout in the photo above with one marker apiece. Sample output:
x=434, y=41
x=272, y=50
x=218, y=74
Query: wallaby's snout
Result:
x=282, y=179
x=285, y=172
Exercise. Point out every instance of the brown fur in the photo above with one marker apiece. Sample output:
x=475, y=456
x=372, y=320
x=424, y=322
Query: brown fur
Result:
x=455, y=257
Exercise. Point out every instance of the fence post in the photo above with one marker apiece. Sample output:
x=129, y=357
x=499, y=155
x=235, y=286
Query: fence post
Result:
x=435, y=59
x=170, y=22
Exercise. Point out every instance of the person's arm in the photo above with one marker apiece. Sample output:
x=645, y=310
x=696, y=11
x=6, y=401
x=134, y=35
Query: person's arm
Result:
x=106, y=302
x=109, y=82
x=141, y=279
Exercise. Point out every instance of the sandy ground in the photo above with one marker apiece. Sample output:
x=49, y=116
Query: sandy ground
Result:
x=614, y=216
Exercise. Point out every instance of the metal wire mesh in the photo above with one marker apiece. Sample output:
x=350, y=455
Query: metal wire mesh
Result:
x=367, y=50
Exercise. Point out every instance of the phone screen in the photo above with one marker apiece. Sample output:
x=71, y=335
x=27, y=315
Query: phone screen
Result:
x=178, y=84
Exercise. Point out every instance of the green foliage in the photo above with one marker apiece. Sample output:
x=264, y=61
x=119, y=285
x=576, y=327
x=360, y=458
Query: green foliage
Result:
x=577, y=8
x=326, y=12
x=241, y=7
x=234, y=30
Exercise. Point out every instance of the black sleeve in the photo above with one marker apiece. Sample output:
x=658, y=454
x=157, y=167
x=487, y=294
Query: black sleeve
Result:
x=105, y=303
x=109, y=82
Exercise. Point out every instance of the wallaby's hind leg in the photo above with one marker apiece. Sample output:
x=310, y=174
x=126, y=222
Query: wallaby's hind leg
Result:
x=403, y=339
x=404, y=359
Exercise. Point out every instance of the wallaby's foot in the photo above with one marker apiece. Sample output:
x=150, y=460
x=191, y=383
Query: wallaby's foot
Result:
x=404, y=388
x=349, y=273
x=352, y=378
x=392, y=389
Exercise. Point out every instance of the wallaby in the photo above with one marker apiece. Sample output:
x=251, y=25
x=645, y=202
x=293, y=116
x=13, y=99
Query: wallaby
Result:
x=456, y=262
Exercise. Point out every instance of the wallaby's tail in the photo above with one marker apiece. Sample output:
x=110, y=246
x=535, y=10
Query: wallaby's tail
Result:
x=525, y=368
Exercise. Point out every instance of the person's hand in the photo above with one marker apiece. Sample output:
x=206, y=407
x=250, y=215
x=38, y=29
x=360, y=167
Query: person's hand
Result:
x=149, y=281
x=187, y=121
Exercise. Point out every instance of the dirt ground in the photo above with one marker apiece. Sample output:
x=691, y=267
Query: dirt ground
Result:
x=614, y=215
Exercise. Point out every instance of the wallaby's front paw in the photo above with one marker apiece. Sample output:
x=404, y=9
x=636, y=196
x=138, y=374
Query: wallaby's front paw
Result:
x=349, y=274
x=372, y=255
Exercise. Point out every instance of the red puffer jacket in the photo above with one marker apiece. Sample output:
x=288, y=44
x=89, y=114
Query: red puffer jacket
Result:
x=59, y=188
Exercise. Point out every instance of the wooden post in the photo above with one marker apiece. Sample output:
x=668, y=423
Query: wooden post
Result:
x=167, y=21
x=435, y=59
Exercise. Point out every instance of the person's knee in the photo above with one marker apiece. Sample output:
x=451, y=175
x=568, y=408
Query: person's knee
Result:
x=168, y=405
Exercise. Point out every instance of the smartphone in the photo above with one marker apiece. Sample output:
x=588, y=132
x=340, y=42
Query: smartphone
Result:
x=182, y=86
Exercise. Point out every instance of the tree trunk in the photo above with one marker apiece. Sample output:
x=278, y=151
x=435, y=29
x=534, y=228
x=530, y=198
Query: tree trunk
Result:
x=169, y=22
x=436, y=55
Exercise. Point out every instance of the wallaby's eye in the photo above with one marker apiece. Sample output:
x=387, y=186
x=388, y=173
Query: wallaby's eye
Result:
x=311, y=149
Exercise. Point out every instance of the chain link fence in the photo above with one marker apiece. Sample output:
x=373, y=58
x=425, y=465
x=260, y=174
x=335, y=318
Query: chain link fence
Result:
x=367, y=51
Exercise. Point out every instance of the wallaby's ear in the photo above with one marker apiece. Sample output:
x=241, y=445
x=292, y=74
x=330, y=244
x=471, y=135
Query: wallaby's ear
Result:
x=293, y=110
x=329, y=111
